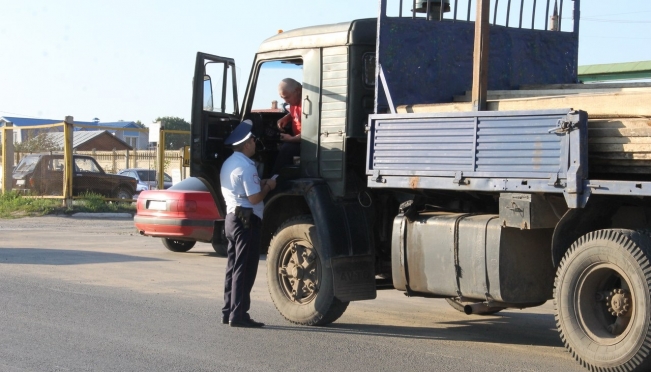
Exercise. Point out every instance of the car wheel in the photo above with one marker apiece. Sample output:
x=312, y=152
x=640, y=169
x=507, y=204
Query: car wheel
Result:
x=123, y=193
x=300, y=285
x=220, y=248
x=178, y=245
x=602, y=300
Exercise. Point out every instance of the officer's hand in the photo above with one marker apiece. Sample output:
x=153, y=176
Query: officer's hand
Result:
x=271, y=183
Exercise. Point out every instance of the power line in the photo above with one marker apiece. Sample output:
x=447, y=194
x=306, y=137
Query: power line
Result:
x=610, y=20
x=615, y=37
x=616, y=14
x=23, y=115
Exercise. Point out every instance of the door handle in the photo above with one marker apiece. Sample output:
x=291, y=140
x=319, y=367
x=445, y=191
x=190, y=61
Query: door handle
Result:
x=307, y=109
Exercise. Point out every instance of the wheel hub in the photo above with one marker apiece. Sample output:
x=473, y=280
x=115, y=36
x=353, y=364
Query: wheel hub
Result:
x=299, y=272
x=618, y=302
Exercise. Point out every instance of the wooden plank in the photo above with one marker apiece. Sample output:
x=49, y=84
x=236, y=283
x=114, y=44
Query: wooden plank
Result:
x=619, y=140
x=620, y=170
x=619, y=132
x=588, y=86
x=598, y=147
x=619, y=123
x=480, y=56
x=597, y=105
x=511, y=94
x=632, y=156
x=621, y=162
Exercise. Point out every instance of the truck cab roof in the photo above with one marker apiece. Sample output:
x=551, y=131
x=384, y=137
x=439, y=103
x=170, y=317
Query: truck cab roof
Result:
x=360, y=31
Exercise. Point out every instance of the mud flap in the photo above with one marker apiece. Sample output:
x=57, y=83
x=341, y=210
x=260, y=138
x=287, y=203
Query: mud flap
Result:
x=354, y=278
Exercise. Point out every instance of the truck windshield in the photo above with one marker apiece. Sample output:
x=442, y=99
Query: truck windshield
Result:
x=27, y=164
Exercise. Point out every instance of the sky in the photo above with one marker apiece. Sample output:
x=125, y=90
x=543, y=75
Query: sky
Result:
x=133, y=60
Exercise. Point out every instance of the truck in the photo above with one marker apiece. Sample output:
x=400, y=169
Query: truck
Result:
x=539, y=193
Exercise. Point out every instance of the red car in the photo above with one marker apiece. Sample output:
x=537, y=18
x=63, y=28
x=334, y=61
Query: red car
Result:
x=182, y=215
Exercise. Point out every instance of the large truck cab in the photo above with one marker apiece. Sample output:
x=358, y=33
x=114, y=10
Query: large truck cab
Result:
x=323, y=195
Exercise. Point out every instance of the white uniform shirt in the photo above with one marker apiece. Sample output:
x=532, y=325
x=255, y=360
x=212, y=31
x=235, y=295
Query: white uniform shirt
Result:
x=239, y=180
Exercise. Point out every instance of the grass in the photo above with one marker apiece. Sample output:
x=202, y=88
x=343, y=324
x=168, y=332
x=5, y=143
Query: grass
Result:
x=14, y=205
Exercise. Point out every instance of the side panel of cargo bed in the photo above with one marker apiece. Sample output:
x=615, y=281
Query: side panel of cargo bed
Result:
x=518, y=151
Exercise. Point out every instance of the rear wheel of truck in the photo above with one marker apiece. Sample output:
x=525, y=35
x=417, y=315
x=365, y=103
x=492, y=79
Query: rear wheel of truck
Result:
x=299, y=284
x=178, y=245
x=602, y=300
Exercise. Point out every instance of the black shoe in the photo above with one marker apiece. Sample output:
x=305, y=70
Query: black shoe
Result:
x=224, y=320
x=247, y=323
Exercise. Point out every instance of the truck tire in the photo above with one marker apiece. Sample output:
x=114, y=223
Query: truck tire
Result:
x=299, y=284
x=602, y=300
x=178, y=245
x=459, y=306
x=123, y=193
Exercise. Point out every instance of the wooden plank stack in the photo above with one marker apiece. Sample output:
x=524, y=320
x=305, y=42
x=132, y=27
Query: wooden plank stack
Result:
x=619, y=127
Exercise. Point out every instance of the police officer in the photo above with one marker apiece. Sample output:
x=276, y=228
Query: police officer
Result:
x=244, y=193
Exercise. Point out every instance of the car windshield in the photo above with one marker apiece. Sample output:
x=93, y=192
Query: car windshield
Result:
x=27, y=164
x=150, y=175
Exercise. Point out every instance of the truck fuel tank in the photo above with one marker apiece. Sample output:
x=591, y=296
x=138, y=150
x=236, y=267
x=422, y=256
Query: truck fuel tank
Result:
x=471, y=256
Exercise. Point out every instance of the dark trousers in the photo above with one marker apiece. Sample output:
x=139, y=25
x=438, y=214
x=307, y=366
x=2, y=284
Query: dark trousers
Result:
x=242, y=267
x=286, y=155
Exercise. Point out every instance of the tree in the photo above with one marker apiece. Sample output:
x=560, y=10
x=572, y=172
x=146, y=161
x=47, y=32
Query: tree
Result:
x=175, y=141
x=39, y=143
x=140, y=124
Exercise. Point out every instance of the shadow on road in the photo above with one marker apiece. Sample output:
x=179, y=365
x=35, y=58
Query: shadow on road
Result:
x=263, y=257
x=506, y=328
x=40, y=256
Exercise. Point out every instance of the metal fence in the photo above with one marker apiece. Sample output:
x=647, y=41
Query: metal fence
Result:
x=533, y=14
x=66, y=160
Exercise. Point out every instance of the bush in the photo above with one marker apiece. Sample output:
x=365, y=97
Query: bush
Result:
x=13, y=205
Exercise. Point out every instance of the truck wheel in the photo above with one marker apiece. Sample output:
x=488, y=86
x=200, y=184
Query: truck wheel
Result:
x=602, y=300
x=123, y=193
x=459, y=306
x=178, y=245
x=300, y=285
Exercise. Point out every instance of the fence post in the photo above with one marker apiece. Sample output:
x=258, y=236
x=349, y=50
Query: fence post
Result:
x=68, y=163
x=114, y=163
x=7, y=156
x=160, y=161
x=126, y=160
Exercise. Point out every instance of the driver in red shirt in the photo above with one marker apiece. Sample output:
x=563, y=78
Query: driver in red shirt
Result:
x=290, y=91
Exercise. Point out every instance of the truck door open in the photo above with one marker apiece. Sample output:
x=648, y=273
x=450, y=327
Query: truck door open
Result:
x=215, y=113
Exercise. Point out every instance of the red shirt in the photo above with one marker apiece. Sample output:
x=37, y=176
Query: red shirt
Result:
x=295, y=112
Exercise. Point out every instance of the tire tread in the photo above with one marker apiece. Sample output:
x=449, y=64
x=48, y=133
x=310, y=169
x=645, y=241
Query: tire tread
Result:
x=638, y=244
x=336, y=308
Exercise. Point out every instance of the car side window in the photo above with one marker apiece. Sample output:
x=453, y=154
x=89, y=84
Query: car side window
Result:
x=86, y=165
x=56, y=165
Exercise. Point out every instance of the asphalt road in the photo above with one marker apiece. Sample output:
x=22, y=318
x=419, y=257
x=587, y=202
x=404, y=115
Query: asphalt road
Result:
x=91, y=295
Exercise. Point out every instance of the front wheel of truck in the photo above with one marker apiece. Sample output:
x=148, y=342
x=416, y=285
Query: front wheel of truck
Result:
x=300, y=286
x=602, y=300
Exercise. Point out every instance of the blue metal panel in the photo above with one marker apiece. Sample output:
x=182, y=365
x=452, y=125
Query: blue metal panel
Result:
x=472, y=143
x=530, y=151
x=424, y=144
x=538, y=151
x=430, y=62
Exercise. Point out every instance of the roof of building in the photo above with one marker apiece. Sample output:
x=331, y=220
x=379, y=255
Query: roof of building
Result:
x=26, y=122
x=81, y=137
